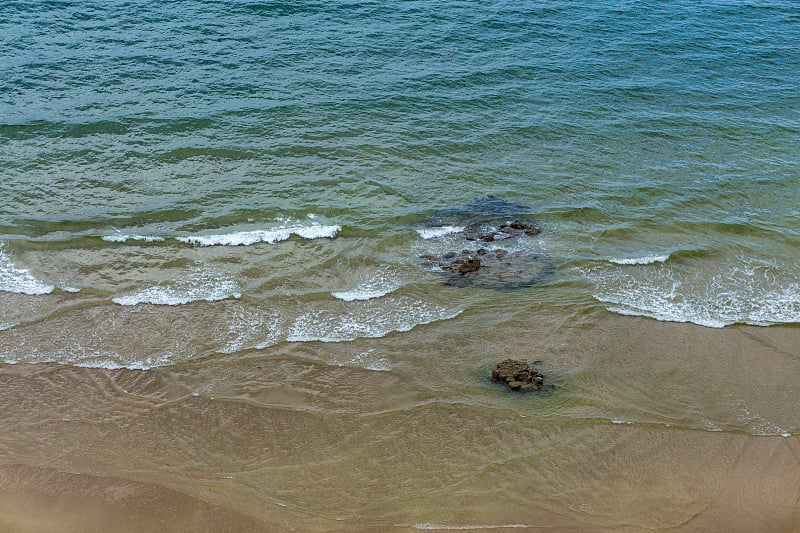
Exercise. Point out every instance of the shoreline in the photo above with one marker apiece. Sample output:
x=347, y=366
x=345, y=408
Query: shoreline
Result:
x=256, y=442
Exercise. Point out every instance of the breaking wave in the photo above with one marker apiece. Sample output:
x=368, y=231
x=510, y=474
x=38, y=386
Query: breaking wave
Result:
x=644, y=260
x=750, y=291
x=17, y=280
x=269, y=236
x=441, y=231
x=124, y=237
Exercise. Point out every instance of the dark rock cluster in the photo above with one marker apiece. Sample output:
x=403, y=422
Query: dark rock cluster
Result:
x=489, y=220
x=467, y=261
x=518, y=375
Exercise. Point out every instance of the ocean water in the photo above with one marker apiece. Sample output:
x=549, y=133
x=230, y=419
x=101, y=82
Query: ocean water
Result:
x=661, y=157
x=185, y=182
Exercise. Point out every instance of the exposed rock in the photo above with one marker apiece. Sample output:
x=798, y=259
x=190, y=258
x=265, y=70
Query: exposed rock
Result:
x=470, y=264
x=518, y=375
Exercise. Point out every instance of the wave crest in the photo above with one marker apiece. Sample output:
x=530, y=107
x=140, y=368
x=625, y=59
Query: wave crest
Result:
x=269, y=236
x=199, y=285
x=441, y=231
x=367, y=321
x=644, y=260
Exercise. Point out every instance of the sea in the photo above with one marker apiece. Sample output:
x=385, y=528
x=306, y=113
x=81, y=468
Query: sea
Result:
x=233, y=197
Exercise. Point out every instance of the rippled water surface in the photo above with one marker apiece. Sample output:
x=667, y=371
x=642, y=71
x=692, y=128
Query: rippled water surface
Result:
x=193, y=190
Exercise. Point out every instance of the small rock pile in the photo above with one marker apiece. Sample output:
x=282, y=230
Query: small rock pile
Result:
x=467, y=261
x=518, y=375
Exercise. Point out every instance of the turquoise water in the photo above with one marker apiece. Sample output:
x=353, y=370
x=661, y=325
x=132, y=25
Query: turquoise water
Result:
x=274, y=165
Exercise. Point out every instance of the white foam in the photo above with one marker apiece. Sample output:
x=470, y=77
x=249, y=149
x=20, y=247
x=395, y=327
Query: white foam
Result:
x=249, y=328
x=269, y=236
x=123, y=237
x=116, y=364
x=367, y=320
x=380, y=285
x=441, y=231
x=317, y=231
x=20, y=281
x=271, y=339
x=199, y=285
x=364, y=292
x=758, y=425
x=645, y=260
x=242, y=238
x=747, y=292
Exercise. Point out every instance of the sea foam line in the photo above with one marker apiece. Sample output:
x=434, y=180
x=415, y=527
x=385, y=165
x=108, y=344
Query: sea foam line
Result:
x=367, y=321
x=367, y=360
x=432, y=233
x=124, y=237
x=645, y=260
x=314, y=230
x=150, y=363
x=363, y=292
x=434, y=527
x=746, y=292
x=270, y=236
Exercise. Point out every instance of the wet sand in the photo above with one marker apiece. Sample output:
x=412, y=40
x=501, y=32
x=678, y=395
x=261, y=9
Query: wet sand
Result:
x=43, y=500
x=646, y=426
x=736, y=483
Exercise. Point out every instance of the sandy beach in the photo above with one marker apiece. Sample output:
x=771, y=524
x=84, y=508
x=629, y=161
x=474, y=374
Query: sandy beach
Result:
x=293, y=441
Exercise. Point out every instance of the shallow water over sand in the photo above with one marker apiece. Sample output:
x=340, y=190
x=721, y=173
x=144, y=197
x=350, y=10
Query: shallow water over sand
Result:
x=642, y=425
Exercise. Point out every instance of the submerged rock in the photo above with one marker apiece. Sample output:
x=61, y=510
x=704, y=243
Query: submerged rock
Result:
x=489, y=220
x=518, y=375
x=502, y=232
x=480, y=211
x=486, y=219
